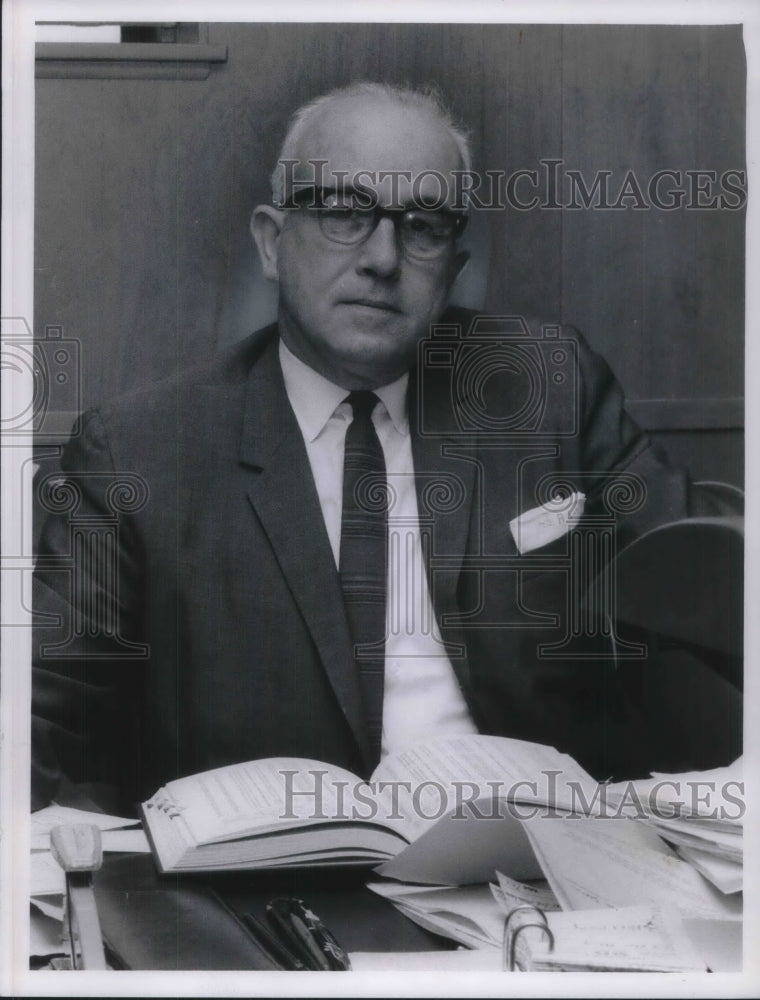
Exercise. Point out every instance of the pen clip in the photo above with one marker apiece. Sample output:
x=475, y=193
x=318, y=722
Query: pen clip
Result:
x=294, y=934
x=326, y=942
x=306, y=935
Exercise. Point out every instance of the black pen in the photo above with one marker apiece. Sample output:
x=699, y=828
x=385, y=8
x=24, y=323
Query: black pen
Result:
x=329, y=947
x=284, y=913
x=303, y=932
x=306, y=934
x=271, y=944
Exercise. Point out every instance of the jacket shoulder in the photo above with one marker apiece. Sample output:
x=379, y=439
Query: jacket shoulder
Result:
x=175, y=406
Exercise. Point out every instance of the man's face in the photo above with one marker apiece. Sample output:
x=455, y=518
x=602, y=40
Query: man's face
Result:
x=356, y=312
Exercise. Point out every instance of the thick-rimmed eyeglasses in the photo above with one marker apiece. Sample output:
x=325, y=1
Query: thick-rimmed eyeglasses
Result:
x=350, y=218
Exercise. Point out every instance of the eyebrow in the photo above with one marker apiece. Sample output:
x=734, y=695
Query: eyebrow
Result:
x=348, y=190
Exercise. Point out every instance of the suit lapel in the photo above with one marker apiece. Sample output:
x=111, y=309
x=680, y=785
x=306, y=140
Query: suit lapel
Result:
x=282, y=492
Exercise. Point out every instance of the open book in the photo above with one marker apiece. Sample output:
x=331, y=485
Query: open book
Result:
x=447, y=811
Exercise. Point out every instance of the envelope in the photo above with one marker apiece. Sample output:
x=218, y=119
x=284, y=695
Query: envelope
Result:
x=538, y=527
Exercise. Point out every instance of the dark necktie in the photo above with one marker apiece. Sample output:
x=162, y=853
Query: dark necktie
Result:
x=363, y=555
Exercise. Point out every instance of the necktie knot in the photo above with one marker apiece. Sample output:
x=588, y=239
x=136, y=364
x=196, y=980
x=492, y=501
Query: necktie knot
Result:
x=362, y=402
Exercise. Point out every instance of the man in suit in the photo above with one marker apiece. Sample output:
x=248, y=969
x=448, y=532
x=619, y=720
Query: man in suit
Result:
x=202, y=597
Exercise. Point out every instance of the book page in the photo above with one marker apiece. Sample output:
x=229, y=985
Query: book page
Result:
x=593, y=863
x=262, y=795
x=463, y=848
x=310, y=844
x=431, y=779
x=468, y=796
x=515, y=763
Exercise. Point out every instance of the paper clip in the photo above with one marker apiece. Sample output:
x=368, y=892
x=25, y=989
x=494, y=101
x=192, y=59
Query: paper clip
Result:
x=509, y=948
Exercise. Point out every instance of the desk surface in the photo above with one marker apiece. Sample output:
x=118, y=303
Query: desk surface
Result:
x=153, y=921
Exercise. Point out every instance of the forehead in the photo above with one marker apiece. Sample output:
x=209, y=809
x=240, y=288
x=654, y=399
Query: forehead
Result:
x=361, y=137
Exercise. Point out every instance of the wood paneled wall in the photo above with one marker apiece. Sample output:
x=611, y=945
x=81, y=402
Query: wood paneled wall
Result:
x=147, y=171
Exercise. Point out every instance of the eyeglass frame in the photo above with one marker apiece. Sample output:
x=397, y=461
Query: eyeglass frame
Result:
x=296, y=200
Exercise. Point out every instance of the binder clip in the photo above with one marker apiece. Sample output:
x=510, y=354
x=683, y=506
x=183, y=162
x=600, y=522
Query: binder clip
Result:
x=78, y=850
x=511, y=935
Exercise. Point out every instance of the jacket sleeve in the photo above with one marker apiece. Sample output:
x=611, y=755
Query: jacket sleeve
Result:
x=629, y=476
x=674, y=682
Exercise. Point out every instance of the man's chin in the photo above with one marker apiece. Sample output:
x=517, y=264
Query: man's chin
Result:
x=375, y=358
x=373, y=331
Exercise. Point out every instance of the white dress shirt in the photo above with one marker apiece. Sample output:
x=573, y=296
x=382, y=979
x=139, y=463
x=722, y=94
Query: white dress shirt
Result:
x=422, y=696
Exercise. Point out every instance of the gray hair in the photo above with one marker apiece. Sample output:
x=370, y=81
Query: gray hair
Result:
x=428, y=100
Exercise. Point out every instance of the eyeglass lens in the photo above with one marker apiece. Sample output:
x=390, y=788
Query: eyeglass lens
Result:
x=345, y=218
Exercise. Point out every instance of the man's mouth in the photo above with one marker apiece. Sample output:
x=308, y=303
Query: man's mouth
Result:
x=382, y=305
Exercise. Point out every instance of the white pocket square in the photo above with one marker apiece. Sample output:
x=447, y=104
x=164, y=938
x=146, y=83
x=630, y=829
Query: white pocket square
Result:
x=542, y=525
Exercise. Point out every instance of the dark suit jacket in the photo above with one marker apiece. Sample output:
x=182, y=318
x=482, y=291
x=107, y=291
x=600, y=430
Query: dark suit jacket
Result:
x=217, y=569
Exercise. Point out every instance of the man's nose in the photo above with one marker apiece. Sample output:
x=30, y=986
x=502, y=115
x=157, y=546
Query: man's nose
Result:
x=381, y=253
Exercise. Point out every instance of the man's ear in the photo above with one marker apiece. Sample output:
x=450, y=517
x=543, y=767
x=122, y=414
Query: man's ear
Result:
x=266, y=226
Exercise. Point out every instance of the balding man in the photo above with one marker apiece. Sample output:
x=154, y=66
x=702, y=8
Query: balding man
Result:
x=341, y=548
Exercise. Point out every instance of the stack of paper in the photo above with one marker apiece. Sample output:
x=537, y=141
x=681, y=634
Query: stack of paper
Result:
x=473, y=915
x=593, y=862
x=726, y=875
x=700, y=813
x=467, y=914
x=599, y=861
x=47, y=879
x=118, y=833
x=629, y=938
x=632, y=939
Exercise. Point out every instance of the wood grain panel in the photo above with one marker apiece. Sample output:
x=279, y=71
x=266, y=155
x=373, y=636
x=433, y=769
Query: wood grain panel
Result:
x=145, y=188
x=659, y=292
x=522, y=124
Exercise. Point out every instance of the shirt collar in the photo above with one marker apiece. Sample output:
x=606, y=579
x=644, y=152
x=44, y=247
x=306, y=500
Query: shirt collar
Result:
x=314, y=398
x=393, y=397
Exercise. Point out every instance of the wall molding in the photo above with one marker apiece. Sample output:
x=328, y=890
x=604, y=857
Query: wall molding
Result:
x=120, y=60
